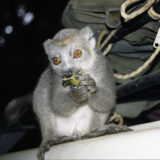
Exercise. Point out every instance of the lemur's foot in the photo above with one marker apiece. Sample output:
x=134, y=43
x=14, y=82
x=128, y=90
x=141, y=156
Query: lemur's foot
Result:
x=45, y=147
x=113, y=129
x=106, y=130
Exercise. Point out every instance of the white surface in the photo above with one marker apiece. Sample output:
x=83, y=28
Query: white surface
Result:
x=23, y=155
x=133, y=145
x=142, y=143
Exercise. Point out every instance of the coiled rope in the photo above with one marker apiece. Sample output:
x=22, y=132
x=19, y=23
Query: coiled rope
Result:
x=151, y=13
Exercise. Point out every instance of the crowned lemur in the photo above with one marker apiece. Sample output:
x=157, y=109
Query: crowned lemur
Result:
x=73, y=110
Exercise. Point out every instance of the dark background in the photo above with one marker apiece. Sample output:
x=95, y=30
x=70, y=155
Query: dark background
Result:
x=22, y=57
x=22, y=60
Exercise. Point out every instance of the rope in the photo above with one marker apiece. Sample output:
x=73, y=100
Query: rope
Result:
x=132, y=15
x=116, y=118
x=101, y=46
x=141, y=68
x=109, y=47
x=108, y=38
x=153, y=14
x=127, y=17
x=103, y=33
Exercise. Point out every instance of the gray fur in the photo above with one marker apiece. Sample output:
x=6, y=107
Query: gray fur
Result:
x=51, y=98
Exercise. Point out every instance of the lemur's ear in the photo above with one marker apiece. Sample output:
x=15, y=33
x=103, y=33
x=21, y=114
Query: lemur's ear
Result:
x=87, y=32
x=46, y=45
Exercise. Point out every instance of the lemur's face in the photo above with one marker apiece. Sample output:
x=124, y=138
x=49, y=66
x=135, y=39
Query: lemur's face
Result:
x=67, y=60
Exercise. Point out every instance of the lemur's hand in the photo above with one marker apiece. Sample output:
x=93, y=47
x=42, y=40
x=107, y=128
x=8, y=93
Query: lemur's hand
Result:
x=86, y=87
x=89, y=83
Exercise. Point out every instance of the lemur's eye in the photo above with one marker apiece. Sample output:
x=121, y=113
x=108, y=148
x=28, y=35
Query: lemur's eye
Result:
x=77, y=54
x=56, y=60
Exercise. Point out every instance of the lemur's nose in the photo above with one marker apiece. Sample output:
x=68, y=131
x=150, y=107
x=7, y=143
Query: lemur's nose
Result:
x=68, y=74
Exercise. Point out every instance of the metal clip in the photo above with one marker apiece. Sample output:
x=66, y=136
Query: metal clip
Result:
x=157, y=40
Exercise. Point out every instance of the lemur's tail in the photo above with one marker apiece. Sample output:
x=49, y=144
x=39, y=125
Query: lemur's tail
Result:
x=17, y=107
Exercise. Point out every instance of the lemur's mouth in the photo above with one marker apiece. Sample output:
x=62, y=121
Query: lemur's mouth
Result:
x=73, y=80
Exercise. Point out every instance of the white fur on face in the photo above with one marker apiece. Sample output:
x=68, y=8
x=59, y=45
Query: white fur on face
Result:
x=68, y=62
x=82, y=40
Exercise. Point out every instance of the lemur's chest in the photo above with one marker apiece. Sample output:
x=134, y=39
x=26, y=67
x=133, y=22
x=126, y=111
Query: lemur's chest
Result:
x=78, y=124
